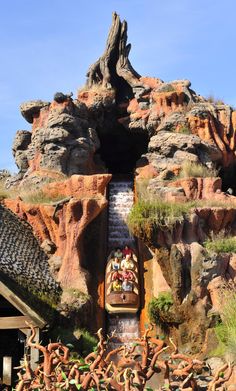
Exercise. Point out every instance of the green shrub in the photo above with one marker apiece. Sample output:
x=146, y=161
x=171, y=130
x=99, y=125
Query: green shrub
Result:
x=196, y=170
x=158, y=305
x=221, y=245
x=147, y=216
x=87, y=341
x=226, y=330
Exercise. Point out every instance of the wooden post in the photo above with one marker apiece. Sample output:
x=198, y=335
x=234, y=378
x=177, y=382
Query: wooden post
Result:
x=34, y=353
x=7, y=370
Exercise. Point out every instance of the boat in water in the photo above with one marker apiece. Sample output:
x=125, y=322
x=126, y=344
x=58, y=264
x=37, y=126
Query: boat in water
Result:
x=122, y=292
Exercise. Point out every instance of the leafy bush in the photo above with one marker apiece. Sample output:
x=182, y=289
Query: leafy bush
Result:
x=221, y=245
x=226, y=330
x=196, y=170
x=158, y=305
x=147, y=216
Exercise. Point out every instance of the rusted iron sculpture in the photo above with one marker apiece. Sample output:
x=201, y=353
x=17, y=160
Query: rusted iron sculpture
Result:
x=126, y=368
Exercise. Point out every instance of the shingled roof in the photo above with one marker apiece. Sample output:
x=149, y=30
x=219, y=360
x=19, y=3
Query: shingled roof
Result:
x=22, y=261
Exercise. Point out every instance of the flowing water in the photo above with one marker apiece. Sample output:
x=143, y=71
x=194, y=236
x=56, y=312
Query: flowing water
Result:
x=121, y=196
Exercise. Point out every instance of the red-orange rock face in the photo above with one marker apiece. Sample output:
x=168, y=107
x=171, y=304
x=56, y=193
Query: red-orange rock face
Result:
x=65, y=226
x=128, y=118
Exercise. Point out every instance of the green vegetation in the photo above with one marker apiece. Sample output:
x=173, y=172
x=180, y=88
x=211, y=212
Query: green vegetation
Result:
x=196, y=170
x=141, y=188
x=221, y=245
x=33, y=196
x=35, y=293
x=78, y=339
x=77, y=294
x=3, y=191
x=88, y=342
x=159, y=305
x=214, y=100
x=226, y=330
x=148, y=216
x=184, y=130
x=40, y=197
x=166, y=88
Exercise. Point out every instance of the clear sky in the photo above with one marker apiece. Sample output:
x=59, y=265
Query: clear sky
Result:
x=48, y=45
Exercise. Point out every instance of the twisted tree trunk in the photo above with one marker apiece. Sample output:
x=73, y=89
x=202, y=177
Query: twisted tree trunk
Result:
x=114, y=63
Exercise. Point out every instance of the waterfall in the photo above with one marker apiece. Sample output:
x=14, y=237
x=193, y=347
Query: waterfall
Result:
x=121, y=196
x=120, y=203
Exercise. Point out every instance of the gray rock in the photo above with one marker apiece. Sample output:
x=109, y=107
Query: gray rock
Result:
x=19, y=148
x=59, y=97
x=32, y=108
x=65, y=143
x=170, y=145
x=48, y=247
x=214, y=363
x=171, y=121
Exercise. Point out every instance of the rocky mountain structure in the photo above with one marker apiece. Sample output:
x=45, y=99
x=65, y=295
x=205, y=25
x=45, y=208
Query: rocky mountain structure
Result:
x=131, y=125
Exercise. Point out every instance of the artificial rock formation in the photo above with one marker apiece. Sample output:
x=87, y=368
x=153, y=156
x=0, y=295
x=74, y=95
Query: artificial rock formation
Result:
x=114, y=63
x=119, y=116
x=60, y=226
x=61, y=141
x=121, y=122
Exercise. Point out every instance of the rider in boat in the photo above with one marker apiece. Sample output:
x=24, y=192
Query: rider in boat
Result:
x=127, y=250
x=116, y=265
x=118, y=253
x=116, y=286
x=117, y=276
x=128, y=275
x=127, y=262
x=127, y=286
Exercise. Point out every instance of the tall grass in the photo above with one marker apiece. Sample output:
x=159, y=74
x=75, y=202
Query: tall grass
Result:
x=221, y=245
x=29, y=194
x=226, y=330
x=214, y=100
x=141, y=188
x=40, y=197
x=149, y=215
x=196, y=170
x=3, y=191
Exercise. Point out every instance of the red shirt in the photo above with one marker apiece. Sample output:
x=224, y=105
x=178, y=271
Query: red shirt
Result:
x=126, y=251
x=116, y=275
x=128, y=274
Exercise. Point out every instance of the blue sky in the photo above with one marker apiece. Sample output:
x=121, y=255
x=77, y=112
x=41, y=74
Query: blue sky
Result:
x=48, y=45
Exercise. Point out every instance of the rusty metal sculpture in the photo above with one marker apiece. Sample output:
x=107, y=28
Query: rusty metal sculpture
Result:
x=131, y=368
